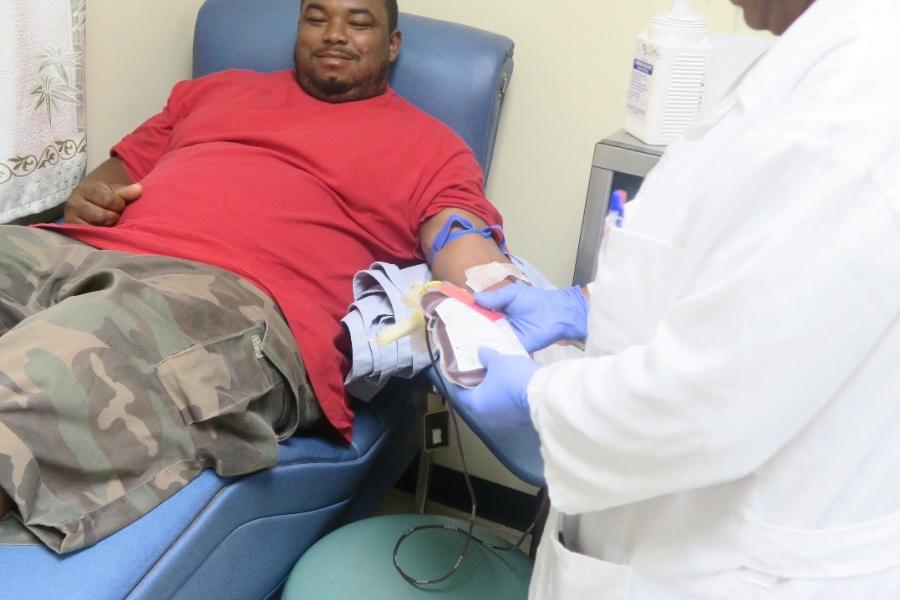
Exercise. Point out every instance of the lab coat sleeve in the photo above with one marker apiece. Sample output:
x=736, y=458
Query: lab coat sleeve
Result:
x=788, y=278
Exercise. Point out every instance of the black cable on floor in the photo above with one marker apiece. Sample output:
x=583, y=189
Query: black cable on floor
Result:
x=469, y=486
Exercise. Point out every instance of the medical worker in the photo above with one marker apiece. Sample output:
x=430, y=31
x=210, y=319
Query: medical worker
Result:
x=734, y=429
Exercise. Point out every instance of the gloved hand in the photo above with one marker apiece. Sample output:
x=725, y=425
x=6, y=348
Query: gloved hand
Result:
x=540, y=317
x=501, y=399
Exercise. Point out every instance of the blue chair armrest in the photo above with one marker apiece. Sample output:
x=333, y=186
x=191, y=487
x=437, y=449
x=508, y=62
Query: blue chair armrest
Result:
x=517, y=448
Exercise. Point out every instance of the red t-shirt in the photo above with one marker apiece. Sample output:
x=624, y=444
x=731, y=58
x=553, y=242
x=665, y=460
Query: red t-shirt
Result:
x=245, y=171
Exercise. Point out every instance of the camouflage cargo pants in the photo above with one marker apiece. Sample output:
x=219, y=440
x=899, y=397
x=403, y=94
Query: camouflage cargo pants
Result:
x=123, y=376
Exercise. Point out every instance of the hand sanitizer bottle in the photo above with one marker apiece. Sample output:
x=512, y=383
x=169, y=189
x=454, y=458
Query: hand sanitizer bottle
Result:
x=670, y=66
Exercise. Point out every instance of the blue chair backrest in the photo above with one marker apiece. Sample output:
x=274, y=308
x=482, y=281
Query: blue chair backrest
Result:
x=456, y=73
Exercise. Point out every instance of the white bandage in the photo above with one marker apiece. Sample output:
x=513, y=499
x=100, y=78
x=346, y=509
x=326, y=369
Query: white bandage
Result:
x=484, y=276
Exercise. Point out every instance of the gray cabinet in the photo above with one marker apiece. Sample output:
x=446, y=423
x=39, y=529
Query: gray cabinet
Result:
x=621, y=161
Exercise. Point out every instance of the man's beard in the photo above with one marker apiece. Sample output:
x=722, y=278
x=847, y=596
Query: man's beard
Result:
x=333, y=86
x=341, y=90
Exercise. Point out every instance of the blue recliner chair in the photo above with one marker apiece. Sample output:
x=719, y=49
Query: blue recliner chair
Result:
x=222, y=538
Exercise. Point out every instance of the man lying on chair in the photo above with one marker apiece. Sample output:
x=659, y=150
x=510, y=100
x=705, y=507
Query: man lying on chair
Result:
x=156, y=332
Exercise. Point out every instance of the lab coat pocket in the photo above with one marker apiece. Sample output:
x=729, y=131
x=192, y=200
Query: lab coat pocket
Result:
x=219, y=377
x=631, y=289
x=851, y=551
x=577, y=576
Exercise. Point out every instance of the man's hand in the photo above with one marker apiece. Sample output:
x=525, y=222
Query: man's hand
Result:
x=99, y=203
x=501, y=399
x=540, y=317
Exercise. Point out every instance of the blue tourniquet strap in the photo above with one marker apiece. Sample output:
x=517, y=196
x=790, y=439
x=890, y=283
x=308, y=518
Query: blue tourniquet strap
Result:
x=447, y=235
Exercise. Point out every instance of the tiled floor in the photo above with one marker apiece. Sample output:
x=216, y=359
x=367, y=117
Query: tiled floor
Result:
x=399, y=502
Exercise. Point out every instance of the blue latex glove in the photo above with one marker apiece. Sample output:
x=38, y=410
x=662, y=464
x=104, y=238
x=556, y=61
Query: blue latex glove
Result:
x=540, y=317
x=501, y=399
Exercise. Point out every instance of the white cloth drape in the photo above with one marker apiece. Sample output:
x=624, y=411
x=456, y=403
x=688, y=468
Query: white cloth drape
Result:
x=43, y=150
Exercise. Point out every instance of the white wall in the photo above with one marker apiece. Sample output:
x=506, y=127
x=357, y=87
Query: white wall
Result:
x=136, y=50
x=567, y=92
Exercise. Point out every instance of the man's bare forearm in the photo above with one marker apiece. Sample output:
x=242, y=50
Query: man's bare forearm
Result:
x=110, y=171
x=451, y=263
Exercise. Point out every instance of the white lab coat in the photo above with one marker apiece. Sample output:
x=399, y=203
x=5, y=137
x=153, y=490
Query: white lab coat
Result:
x=734, y=431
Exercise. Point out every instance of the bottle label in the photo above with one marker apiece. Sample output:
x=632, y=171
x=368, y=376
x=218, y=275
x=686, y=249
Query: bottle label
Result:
x=643, y=67
x=639, y=90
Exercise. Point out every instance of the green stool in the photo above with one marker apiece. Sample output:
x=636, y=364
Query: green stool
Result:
x=356, y=562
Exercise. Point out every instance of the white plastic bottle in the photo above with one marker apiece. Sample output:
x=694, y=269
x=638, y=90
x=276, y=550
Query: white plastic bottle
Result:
x=669, y=74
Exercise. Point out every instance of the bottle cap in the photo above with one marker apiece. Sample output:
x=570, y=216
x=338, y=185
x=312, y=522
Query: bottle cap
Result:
x=681, y=22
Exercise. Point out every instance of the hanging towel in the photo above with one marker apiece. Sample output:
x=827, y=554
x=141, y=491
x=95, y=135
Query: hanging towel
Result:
x=43, y=149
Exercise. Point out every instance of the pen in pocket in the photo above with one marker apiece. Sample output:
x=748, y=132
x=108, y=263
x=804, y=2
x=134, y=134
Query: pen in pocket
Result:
x=617, y=206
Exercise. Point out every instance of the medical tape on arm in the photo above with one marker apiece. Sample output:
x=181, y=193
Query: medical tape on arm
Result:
x=447, y=235
x=481, y=277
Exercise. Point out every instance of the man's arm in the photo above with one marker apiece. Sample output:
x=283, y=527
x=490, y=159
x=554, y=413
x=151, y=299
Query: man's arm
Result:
x=102, y=195
x=539, y=317
x=468, y=251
